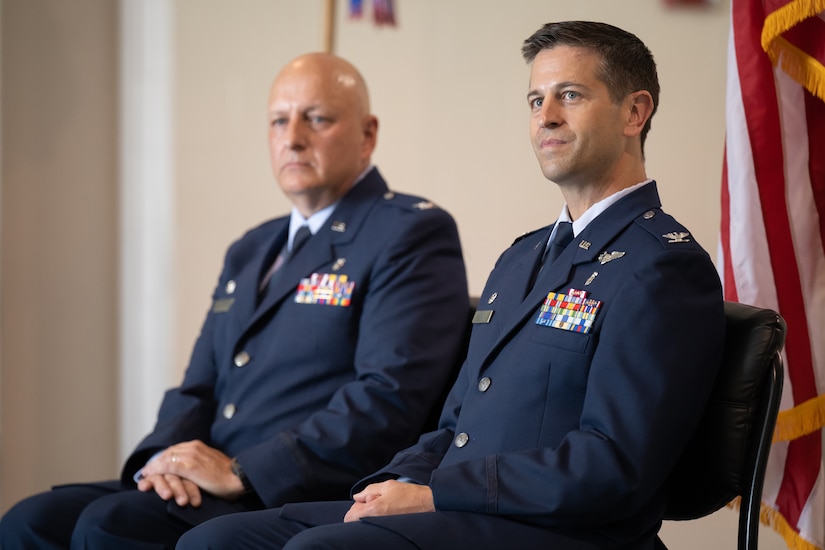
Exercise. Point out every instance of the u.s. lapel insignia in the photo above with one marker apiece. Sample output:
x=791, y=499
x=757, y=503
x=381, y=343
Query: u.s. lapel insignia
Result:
x=339, y=227
x=591, y=278
x=585, y=245
x=339, y=263
x=326, y=289
x=677, y=237
x=605, y=257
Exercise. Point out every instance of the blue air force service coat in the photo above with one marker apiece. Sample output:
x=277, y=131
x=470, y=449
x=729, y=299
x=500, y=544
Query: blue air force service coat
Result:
x=342, y=361
x=571, y=420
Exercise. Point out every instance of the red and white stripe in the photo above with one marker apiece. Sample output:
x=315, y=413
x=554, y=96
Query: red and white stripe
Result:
x=772, y=251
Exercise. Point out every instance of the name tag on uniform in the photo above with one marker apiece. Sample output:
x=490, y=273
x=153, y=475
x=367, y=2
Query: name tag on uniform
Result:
x=222, y=305
x=482, y=316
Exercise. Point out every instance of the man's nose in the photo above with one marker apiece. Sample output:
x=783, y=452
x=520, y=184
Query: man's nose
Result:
x=549, y=115
x=294, y=135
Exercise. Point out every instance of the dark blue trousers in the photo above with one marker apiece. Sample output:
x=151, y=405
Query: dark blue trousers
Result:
x=96, y=515
x=318, y=525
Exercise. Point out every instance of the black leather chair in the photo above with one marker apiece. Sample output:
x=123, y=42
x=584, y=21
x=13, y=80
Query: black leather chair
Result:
x=729, y=452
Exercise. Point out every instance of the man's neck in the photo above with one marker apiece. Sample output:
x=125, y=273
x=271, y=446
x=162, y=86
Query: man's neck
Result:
x=580, y=196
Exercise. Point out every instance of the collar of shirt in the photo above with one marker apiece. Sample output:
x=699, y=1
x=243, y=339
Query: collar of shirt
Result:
x=317, y=220
x=591, y=213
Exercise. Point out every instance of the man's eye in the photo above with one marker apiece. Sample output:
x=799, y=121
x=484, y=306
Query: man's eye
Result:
x=536, y=102
x=571, y=95
x=278, y=121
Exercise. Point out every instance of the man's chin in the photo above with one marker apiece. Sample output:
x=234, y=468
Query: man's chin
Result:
x=295, y=184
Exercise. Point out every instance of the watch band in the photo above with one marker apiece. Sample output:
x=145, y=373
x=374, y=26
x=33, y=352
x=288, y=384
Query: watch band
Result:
x=238, y=471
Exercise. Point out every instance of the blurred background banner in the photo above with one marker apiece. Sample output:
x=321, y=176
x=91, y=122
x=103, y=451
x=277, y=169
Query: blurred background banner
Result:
x=772, y=231
x=383, y=11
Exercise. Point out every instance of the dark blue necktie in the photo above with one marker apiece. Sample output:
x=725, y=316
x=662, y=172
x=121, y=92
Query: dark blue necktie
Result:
x=300, y=238
x=564, y=234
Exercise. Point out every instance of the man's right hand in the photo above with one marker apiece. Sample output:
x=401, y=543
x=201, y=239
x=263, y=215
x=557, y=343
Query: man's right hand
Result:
x=169, y=486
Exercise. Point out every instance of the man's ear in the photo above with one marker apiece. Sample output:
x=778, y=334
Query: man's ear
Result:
x=370, y=130
x=640, y=110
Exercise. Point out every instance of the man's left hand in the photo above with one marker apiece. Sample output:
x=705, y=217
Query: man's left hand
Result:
x=390, y=498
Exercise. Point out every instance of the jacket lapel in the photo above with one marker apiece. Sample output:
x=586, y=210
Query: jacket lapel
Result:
x=584, y=248
x=249, y=278
x=323, y=247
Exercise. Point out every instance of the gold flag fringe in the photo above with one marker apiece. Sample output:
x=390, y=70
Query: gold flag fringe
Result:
x=801, y=420
x=779, y=21
x=773, y=519
x=802, y=67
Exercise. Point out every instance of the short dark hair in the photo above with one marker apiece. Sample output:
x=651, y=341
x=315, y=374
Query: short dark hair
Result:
x=627, y=65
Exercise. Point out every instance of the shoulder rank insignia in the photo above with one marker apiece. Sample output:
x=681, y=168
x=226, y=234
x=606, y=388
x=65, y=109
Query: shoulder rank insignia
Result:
x=424, y=205
x=605, y=257
x=677, y=237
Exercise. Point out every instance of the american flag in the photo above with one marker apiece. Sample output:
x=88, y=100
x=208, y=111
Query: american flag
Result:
x=772, y=240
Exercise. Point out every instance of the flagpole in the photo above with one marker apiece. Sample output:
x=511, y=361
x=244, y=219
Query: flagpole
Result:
x=329, y=26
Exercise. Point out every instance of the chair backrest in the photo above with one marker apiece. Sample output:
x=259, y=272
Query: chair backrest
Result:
x=729, y=451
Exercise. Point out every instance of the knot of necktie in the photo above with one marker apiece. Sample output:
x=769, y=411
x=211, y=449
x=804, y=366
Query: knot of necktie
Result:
x=300, y=238
x=564, y=234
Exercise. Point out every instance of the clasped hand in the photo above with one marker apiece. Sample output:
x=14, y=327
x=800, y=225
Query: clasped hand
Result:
x=390, y=498
x=182, y=471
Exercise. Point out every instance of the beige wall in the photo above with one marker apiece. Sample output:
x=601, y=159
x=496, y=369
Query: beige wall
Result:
x=58, y=418
x=448, y=86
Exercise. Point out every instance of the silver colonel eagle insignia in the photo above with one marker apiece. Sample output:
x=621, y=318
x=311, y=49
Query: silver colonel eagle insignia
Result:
x=677, y=237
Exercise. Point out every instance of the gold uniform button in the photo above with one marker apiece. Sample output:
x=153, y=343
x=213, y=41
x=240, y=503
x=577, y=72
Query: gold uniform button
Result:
x=461, y=439
x=229, y=411
x=230, y=287
x=242, y=359
x=484, y=384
